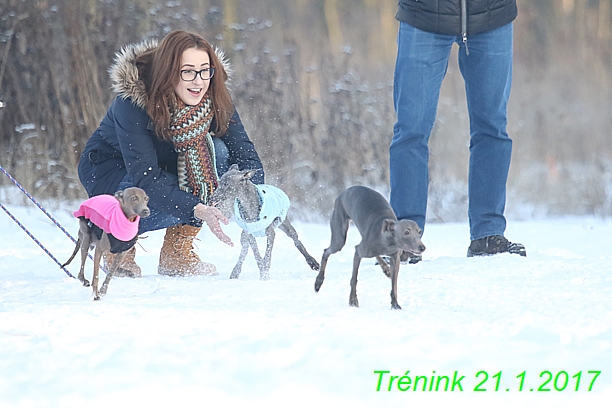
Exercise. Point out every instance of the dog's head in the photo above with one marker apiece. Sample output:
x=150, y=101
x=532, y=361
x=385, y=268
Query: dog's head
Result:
x=134, y=202
x=233, y=184
x=406, y=233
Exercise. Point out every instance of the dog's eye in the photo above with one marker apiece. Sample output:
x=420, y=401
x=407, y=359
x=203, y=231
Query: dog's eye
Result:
x=406, y=232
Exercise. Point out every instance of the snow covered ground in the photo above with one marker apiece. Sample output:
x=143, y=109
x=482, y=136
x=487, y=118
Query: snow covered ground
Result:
x=544, y=322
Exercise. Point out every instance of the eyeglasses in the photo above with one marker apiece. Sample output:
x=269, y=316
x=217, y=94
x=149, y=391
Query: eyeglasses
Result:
x=189, y=75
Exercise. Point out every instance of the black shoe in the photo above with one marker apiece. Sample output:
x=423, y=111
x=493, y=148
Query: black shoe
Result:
x=495, y=244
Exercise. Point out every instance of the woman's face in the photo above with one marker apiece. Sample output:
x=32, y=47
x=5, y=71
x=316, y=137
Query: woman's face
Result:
x=192, y=90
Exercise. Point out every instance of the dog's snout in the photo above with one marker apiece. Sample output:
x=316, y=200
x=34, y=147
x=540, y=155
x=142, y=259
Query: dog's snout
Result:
x=145, y=213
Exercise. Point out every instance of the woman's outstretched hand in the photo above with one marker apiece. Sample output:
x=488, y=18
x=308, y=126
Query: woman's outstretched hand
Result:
x=212, y=216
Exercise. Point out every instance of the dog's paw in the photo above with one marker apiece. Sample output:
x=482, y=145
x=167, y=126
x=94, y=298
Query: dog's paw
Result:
x=235, y=273
x=314, y=265
x=318, y=283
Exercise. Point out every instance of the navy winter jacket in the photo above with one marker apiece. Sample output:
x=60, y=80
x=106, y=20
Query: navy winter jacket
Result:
x=445, y=16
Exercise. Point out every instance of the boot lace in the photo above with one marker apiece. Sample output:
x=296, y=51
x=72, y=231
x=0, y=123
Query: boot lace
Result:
x=185, y=242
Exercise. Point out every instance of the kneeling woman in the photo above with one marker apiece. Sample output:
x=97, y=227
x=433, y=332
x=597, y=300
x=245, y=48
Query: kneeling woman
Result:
x=171, y=130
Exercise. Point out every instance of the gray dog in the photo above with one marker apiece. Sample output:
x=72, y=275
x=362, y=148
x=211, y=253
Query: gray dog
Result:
x=258, y=210
x=381, y=234
x=110, y=223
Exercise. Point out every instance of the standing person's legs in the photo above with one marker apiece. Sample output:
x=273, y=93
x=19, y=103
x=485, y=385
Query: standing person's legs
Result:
x=487, y=72
x=422, y=61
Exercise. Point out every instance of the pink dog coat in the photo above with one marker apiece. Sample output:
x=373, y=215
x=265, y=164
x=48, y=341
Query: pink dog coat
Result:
x=105, y=212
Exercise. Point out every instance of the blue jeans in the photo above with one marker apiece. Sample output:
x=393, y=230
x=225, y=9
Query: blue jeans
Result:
x=159, y=220
x=421, y=65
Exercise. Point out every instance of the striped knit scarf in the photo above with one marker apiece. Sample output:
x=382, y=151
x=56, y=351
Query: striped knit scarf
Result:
x=190, y=131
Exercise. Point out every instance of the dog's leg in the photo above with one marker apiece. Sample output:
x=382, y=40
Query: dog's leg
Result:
x=339, y=224
x=395, y=263
x=356, y=261
x=255, y=248
x=288, y=229
x=264, y=270
x=96, y=272
x=85, y=244
x=112, y=269
x=321, y=275
x=384, y=266
x=244, y=249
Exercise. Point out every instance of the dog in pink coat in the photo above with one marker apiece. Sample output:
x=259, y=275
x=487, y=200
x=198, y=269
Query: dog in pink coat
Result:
x=108, y=223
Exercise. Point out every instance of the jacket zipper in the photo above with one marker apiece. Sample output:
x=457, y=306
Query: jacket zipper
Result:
x=464, y=25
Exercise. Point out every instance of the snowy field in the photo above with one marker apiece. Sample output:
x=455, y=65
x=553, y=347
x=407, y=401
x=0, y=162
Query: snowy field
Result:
x=534, y=328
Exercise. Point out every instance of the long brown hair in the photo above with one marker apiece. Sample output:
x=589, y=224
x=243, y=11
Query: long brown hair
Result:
x=160, y=71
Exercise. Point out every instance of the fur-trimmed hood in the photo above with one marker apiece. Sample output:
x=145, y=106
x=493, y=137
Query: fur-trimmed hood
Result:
x=124, y=74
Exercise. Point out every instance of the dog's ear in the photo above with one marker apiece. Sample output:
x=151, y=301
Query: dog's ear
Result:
x=119, y=195
x=234, y=167
x=388, y=225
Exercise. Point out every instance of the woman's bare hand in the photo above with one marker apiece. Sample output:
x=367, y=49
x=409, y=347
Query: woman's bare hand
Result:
x=212, y=217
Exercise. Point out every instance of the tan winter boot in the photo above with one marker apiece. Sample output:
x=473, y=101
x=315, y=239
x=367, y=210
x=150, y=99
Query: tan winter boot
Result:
x=128, y=268
x=177, y=257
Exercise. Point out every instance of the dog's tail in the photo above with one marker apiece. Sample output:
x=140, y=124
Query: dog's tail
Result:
x=76, y=249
